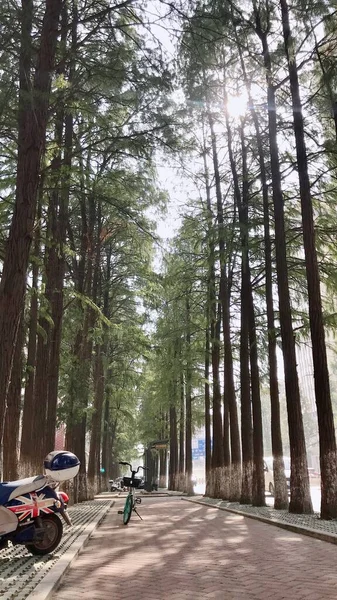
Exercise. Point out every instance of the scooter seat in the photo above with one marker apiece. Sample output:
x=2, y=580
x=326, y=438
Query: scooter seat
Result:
x=12, y=489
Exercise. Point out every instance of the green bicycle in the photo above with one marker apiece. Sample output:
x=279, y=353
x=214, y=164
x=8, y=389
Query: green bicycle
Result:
x=131, y=500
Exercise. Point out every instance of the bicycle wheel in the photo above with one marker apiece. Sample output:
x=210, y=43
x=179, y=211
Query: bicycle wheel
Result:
x=127, y=509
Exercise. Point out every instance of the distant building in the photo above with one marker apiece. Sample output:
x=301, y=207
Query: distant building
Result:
x=60, y=436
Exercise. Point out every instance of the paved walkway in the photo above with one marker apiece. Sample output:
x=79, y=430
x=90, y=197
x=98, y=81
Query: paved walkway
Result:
x=186, y=551
x=21, y=573
x=309, y=524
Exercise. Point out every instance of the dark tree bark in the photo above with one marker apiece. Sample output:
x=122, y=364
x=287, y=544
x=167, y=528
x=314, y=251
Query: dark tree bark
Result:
x=243, y=204
x=181, y=476
x=327, y=438
x=300, y=500
x=246, y=408
x=80, y=380
x=209, y=325
x=229, y=391
x=106, y=450
x=217, y=429
x=12, y=423
x=33, y=116
x=162, y=468
x=27, y=449
x=230, y=406
x=208, y=449
x=188, y=400
x=173, y=464
x=280, y=481
x=258, y=469
x=94, y=462
x=41, y=372
x=247, y=432
x=102, y=350
x=60, y=201
x=56, y=300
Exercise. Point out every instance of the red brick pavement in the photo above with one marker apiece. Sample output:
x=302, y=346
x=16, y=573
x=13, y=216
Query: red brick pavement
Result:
x=184, y=551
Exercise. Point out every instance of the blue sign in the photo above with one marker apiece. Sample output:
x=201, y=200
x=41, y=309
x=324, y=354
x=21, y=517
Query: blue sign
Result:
x=200, y=451
x=197, y=453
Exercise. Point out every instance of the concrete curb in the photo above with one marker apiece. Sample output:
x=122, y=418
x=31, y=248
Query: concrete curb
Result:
x=52, y=580
x=141, y=495
x=331, y=538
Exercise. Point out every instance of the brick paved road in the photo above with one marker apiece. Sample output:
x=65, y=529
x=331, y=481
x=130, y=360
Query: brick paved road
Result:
x=184, y=551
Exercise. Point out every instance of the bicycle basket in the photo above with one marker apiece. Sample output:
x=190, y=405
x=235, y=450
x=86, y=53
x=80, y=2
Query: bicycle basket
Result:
x=129, y=482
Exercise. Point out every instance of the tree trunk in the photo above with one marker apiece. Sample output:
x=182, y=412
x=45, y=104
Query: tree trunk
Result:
x=246, y=408
x=217, y=453
x=106, y=451
x=45, y=330
x=232, y=454
x=280, y=481
x=41, y=388
x=27, y=448
x=243, y=203
x=33, y=116
x=162, y=468
x=208, y=448
x=258, y=469
x=56, y=300
x=173, y=464
x=181, y=476
x=300, y=500
x=209, y=325
x=80, y=379
x=96, y=423
x=12, y=423
x=60, y=200
x=188, y=399
x=327, y=439
x=222, y=472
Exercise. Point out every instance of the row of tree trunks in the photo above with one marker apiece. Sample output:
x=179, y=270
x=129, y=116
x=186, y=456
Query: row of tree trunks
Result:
x=79, y=387
x=32, y=125
x=41, y=395
x=209, y=322
x=258, y=492
x=300, y=500
x=327, y=440
x=280, y=482
x=221, y=463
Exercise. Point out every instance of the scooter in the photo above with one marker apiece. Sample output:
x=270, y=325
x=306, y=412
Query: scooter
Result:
x=29, y=508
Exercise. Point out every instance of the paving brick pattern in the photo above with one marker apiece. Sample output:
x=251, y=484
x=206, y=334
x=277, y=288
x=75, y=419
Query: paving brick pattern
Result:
x=185, y=551
x=20, y=572
x=268, y=512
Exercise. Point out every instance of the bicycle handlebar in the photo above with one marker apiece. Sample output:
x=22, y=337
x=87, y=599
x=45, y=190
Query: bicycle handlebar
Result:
x=141, y=467
x=131, y=469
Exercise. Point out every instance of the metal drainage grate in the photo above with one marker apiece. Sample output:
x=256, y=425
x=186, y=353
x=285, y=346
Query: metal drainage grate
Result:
x=20, y=572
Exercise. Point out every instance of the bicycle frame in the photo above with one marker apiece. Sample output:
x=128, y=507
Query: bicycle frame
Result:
x=131, y=499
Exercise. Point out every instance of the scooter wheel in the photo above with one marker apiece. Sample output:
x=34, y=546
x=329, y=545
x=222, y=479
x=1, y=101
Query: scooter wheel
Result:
x=53, y=530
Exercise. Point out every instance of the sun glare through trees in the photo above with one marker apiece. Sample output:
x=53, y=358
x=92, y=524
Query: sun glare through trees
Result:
x=168, y=243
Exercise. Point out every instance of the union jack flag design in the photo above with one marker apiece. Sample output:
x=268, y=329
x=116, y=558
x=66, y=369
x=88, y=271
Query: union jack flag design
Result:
x=31, y=505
